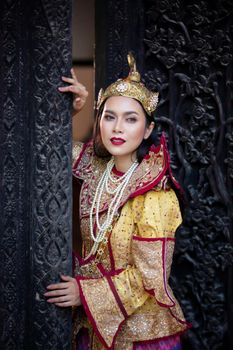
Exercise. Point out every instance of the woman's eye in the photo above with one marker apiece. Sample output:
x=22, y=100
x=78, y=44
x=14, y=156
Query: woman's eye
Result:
x=108, y=117
x=131, y=119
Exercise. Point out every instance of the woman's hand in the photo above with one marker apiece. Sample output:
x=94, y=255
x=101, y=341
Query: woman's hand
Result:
x=79, y=91
x=64, y=294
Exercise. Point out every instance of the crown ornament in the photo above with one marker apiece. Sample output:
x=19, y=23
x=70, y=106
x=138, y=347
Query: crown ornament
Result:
x=131, y=86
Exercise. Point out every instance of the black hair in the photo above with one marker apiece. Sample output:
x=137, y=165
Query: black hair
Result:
x=143, y=149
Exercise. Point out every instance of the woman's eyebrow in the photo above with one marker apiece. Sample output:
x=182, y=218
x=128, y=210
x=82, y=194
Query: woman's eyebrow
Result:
x=130, y=112
x=109, y=111
x=125, y=113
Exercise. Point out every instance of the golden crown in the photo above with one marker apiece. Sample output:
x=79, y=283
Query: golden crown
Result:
x=131, y=87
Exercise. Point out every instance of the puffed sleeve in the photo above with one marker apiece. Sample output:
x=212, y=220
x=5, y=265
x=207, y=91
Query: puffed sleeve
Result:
x=110, y=299
x=153, y=243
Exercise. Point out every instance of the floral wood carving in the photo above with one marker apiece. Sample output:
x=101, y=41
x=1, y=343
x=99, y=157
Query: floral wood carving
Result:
x=35, y=173
x=51, y=143
x=191, y=49
x=185, y=52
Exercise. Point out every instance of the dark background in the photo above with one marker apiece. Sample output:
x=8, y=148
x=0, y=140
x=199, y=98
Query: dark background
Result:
x=184, y=50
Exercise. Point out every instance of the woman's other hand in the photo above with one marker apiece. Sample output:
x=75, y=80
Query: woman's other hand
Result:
x=79, y=91
x=64, y=294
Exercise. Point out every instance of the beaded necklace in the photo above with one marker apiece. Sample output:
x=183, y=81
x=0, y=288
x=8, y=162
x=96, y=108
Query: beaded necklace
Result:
x=104, y=186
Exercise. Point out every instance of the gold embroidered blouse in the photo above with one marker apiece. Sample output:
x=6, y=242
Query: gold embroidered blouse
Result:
x=125, y=290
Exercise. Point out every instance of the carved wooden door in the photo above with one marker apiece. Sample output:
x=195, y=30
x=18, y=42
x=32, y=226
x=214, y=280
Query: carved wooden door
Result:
x=35, y=173
x=184, y=50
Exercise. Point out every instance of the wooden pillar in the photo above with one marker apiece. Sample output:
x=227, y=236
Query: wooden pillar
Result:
x=35, y=172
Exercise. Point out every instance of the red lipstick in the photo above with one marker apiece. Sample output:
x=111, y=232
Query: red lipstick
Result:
x=117, y=141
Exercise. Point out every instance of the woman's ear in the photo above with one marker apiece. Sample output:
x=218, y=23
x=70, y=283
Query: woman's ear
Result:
x=149, y=130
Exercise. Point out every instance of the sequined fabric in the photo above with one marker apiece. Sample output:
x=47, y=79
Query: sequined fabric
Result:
x=101, y=305
x=126, y=294
x=150, y=258
x=90, y=169
x=76, y=150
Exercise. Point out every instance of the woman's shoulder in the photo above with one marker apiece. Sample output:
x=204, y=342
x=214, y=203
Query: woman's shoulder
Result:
x=154, y=172
x=157, y=212
x=82, y=155
x=76, y=150
x=85, y=162
x=157, y=194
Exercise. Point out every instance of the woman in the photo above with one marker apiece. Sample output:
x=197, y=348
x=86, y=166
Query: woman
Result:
x=129, y=214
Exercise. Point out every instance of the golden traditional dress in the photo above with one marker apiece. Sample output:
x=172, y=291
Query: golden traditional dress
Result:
x=124, y=288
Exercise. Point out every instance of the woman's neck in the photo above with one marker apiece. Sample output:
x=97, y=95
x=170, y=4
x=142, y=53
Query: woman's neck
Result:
x=122, y=164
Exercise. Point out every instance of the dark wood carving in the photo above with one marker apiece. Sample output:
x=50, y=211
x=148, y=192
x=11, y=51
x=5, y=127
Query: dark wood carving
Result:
x=35, y=172
x=185, y=50
x=13, y=179
x=119, y=26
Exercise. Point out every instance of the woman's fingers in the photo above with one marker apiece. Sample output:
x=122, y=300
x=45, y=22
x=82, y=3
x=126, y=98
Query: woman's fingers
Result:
x=59, y=295
x=79, y=91
x=61, y=285
x=69, y=80
x=65, y=304
x=53, y=293
x=70, y=88
x=63, y=294
x=76, y=89
x=73, y=82
x=67, y=278
x=73, y=74
x=60, y=299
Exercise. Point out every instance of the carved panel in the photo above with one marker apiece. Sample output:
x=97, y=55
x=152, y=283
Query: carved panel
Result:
x=120, y=23
x=35, y=172
x=187, y=54
x=13, y=179
x=51, y=175
x=191, y=50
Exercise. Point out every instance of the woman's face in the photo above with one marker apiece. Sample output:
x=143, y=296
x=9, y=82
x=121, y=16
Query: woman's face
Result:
x=123, y=127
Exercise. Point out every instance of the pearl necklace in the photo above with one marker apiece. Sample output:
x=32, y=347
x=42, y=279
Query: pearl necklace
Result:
x=103, y=186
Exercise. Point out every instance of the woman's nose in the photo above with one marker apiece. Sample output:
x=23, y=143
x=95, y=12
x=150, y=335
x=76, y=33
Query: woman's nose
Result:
x=118, y=126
